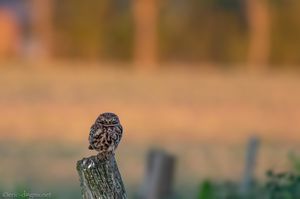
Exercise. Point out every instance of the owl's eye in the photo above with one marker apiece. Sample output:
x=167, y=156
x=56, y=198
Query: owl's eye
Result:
x=115, y=120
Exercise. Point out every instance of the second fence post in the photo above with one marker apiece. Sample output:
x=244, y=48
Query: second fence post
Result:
x=159, y=176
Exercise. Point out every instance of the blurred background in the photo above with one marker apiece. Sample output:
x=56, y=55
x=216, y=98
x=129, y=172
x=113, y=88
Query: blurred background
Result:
x=196, y=78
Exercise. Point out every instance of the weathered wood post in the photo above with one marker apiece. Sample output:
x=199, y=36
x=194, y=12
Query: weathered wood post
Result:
x=159, y=176
x=247, y=180
x=100, y=177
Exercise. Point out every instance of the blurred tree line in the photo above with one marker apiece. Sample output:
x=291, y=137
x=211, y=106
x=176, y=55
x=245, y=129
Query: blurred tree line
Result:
x=93, y=30
x=255, y=32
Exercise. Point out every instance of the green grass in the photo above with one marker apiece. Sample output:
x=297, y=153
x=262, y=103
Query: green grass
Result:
x=277, y=186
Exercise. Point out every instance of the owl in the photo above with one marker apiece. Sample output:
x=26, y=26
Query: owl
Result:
x=105, y=135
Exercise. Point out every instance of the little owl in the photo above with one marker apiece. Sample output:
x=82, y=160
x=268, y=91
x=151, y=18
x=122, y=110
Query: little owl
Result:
x=105, y=135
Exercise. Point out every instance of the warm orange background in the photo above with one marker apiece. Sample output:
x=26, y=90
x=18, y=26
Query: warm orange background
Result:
x=195, y=78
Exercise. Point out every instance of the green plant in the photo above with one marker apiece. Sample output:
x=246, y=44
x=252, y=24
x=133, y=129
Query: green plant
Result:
x=278, y=186
x=206, y=190
x=283, y=185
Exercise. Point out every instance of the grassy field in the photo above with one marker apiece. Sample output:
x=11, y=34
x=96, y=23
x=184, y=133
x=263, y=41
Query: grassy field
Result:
x=204, y=118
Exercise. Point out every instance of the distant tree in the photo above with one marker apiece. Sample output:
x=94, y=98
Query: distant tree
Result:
x=9, y=34
x=42, y=27
x=145, y=41
x=258, y=15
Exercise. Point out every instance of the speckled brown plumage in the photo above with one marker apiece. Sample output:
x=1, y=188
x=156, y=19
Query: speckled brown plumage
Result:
x=105, y=135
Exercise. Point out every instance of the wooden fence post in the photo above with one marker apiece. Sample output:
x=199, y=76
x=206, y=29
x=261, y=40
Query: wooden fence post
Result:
x=159, y=176
x=100, y=179
x=251, y=154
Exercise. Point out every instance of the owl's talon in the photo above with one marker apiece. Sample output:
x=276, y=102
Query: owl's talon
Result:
x=105, y=157
x=100, y=156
